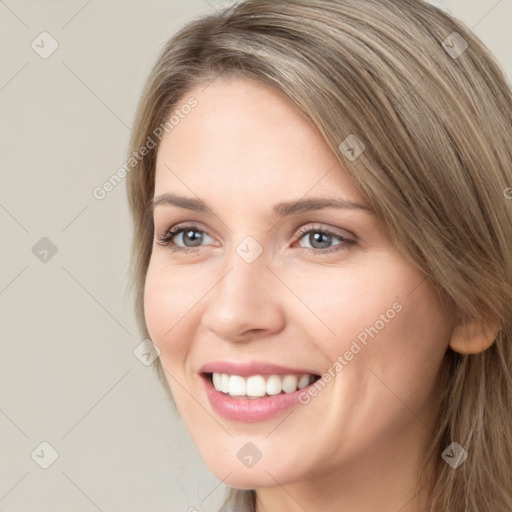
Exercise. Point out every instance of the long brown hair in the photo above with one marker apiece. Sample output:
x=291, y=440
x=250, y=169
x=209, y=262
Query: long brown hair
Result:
x=434, y=111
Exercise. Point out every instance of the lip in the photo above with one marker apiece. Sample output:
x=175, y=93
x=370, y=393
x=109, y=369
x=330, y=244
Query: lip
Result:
x=248, y=368
x=250, y=410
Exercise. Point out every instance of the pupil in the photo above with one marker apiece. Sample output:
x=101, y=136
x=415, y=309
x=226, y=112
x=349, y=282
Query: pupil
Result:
x=196, y=240
x=317, y=237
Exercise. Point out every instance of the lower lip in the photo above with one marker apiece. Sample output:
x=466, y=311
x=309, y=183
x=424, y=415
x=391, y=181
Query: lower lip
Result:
x=249, y=409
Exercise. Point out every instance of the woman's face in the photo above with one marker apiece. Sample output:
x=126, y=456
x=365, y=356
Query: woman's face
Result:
x=247, y=284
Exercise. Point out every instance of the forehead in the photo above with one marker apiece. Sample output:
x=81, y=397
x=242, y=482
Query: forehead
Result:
x=248, y=136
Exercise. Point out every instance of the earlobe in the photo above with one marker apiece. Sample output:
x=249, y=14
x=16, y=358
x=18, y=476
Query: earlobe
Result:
x=472, y=336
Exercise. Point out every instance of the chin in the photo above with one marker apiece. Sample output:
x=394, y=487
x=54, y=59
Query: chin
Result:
x=246, y=479
x=234, y=473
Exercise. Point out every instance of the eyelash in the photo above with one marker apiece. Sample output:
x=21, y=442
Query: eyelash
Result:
x=174, y=231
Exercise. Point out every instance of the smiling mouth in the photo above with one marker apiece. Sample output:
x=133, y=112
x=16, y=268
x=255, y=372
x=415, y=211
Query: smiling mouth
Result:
x=259, y=386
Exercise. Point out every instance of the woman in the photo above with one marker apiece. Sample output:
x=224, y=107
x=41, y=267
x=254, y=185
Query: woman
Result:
x=322, y=254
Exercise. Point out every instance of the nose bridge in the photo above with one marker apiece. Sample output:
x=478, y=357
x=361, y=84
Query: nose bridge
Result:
x=245, y=278
x=244, y=297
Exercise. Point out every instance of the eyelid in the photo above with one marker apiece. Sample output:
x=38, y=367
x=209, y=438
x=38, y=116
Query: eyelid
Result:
x=318, y=226
x=188, y=224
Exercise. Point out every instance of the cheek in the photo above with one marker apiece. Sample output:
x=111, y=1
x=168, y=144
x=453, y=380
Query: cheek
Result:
x=381, y=317
x=393, y=346
x=345, y=301
x=391, y=333
x=417, y=340
x=171, y=296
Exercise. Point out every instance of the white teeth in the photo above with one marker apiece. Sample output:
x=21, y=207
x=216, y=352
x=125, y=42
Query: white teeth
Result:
x=237, y=385
x=273, y=385
x=258, y=386
x=224, y=383
x=217, y=381
x=289, y=383
x=303, y=382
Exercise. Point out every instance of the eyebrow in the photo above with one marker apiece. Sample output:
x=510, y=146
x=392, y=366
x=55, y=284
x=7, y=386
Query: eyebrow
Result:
x=279, y=210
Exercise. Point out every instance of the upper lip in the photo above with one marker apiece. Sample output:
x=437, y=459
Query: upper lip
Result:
x=247, y=368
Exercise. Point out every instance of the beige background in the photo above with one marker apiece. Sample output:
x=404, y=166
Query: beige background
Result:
x=68, y=374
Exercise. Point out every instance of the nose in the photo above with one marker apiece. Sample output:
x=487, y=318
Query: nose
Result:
x=245, y=302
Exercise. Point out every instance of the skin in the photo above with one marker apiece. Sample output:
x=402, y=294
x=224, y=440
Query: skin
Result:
x=356, y=446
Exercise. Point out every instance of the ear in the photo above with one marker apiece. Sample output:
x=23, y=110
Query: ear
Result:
x=472, y=336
